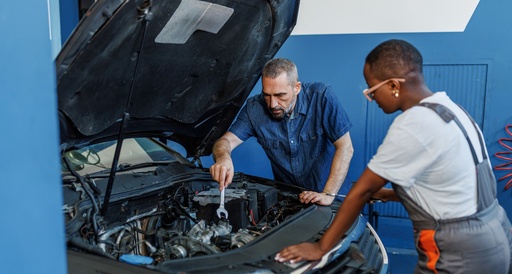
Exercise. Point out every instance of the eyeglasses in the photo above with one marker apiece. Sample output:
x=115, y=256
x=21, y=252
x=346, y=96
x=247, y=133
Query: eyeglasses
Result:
x=368, y=93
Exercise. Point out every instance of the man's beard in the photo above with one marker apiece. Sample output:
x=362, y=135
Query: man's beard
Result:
x=281, y=112
x=278, y=115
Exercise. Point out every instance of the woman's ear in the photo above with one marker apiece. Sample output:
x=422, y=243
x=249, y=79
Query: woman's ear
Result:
x=394, y=84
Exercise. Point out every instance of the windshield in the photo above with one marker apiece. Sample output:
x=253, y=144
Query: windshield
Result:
x=98, y=157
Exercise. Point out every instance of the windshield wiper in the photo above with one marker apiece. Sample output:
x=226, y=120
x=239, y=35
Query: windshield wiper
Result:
x=127, y=167
x=124, y=167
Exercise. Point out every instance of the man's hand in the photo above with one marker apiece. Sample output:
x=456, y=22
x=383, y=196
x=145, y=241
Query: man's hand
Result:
x=307, y=197
x=300, y=252
x=222, y=171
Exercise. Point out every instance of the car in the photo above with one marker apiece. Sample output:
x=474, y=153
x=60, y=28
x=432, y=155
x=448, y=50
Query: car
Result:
x=144, y=90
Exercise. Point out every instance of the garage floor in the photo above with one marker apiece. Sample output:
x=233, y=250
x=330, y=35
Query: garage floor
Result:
x=402, y=261
x=396, y=234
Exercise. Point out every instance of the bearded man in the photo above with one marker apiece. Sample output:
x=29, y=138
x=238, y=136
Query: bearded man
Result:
x=303, y=129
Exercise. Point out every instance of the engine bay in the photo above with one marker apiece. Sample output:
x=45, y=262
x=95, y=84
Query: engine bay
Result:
x=173, y=222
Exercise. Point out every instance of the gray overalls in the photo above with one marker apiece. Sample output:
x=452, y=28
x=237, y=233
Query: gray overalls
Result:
x=480, y=243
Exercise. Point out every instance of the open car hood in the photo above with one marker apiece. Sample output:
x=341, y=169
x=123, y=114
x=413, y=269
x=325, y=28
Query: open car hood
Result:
x=174, y=69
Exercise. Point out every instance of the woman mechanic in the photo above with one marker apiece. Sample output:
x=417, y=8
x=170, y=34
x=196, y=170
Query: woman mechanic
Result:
x=459, y=227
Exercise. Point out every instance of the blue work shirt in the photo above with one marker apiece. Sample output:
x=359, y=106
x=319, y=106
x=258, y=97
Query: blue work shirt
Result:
x=299, y=146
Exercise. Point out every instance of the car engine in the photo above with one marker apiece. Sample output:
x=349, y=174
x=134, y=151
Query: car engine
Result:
x=178, y=221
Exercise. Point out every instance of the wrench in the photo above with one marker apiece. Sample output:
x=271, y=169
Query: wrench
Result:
x=221, y=210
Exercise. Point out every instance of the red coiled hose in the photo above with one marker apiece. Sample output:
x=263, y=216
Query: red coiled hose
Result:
x=505, y=155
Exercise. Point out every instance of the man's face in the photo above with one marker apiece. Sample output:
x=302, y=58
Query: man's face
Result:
x=279, y=95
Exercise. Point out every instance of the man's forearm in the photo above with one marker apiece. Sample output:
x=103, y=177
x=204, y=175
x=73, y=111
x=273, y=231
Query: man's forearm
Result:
x=340, y=165
x=221, y=149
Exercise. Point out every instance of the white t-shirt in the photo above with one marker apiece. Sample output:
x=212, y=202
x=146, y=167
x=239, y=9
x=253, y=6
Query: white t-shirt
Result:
x=431, y=159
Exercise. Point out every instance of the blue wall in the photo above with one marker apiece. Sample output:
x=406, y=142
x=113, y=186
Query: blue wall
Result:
x=339, y=59
x=32, y=226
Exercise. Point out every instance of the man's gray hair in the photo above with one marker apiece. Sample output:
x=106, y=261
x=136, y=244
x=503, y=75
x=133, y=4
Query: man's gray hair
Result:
x=274, y=67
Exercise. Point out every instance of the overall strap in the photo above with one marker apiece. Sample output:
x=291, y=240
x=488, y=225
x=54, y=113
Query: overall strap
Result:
x=447, y=115
x=486, y=182
x=480, y=139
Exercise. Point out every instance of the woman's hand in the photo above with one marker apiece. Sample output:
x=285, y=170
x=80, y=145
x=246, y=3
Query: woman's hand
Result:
x=300, y=252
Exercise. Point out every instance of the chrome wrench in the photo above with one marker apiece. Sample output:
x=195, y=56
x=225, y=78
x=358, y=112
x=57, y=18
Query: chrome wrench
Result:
x=221, y=210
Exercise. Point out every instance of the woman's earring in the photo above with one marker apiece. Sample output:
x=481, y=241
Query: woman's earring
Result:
x=396, y=92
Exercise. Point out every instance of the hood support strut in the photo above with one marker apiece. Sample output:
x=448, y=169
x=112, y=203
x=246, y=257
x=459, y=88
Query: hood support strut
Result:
x=145, y=15
x=113, y=169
